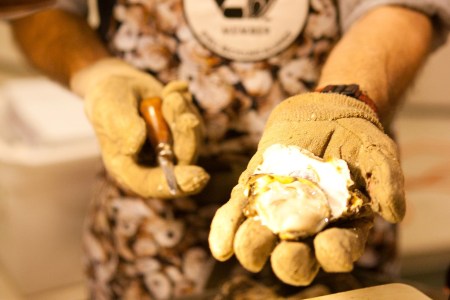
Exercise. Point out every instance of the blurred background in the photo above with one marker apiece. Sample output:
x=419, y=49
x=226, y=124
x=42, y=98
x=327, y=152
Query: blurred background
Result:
x=49, y=158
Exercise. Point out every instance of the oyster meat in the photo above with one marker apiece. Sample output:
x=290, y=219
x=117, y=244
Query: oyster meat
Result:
x=296, y=194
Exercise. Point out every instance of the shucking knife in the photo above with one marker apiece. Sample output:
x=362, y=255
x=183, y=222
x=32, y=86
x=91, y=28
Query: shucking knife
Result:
x=159, y=136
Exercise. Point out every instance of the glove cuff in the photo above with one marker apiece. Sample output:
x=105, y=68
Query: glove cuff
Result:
x=321, y=107
x=351, y=90
x=87, y=78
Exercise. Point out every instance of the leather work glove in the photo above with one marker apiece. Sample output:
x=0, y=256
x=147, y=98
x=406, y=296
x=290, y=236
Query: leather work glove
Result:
x=112, y=90
x=328, y=125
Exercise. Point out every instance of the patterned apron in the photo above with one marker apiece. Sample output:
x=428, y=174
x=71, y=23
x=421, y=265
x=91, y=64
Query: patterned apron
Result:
x=241, y=58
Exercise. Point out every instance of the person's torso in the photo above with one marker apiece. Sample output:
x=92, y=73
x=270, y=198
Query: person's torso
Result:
x=241, y=58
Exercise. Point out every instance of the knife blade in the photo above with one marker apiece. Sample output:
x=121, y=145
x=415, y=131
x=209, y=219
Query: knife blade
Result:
x=158, y=133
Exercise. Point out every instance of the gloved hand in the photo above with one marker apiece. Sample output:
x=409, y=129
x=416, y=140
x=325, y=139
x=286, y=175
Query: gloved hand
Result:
x=328, y=125
x=112, y=90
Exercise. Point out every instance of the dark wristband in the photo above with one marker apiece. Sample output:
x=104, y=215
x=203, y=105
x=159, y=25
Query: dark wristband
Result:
x=350, y=90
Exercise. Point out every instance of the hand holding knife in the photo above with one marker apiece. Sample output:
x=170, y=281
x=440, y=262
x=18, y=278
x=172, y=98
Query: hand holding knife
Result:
x=160, y=137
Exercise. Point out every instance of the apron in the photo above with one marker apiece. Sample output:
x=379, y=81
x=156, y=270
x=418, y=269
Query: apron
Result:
x=241, y=58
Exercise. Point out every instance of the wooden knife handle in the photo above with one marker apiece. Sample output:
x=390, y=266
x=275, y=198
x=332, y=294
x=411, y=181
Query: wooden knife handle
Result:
x=157, y=128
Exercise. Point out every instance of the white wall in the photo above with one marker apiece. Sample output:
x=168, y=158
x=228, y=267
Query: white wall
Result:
x=433, y=83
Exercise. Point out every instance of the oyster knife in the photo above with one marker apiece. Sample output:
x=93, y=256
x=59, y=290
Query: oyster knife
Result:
x=160, y=138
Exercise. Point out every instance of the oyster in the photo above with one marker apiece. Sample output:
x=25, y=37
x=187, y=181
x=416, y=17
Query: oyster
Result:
x=296, y=194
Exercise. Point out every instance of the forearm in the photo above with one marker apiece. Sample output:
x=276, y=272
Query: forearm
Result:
x=58, y=43
x=381, y=52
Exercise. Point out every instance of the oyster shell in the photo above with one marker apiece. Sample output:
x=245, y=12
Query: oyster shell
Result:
x=296, y=194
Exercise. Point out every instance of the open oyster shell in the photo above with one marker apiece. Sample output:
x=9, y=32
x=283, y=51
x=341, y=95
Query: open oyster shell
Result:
x=296, y=194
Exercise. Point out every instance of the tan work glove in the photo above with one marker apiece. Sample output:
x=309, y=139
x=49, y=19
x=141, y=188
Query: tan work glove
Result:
x=112, y=90
x=329, y=125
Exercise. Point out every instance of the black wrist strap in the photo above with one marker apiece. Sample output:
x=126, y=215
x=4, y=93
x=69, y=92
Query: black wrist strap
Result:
x=350, y=90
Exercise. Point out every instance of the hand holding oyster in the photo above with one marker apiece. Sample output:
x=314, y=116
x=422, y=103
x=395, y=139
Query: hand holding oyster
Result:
x=296, y=194
x=291, y=196
x=301, y=211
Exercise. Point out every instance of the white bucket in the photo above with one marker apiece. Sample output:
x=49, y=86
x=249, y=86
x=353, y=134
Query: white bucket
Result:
x=48, y=160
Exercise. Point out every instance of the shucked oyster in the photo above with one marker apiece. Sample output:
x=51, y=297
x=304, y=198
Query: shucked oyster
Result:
x=295, y=193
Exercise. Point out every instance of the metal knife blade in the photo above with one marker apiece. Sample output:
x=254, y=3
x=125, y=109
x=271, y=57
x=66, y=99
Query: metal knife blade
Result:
x=167, y=166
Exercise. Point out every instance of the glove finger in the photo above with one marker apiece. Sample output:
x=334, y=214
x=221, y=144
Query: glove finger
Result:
x=185, y=125
x=225, y=223
x=385, y=183
x=338, y=248
x=125, y=134
x=176, y=86
x=380, y=169
x=253, y=244
x=174, y=105
x=151, y=182
x=294, y=263
x=186, y=138
x=254, y=162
